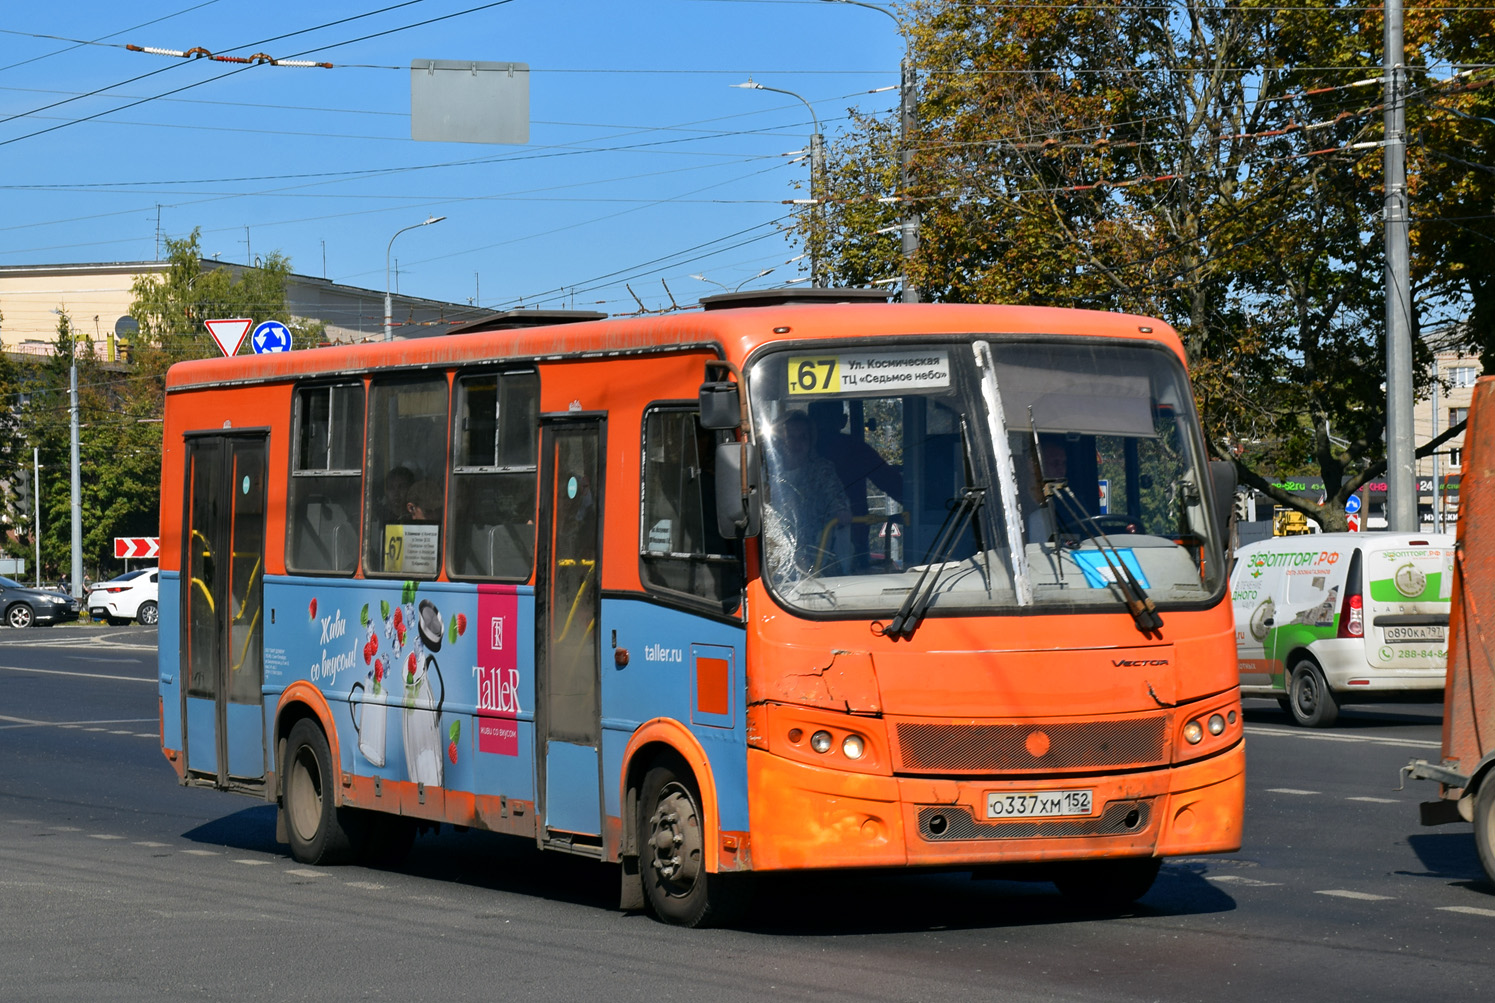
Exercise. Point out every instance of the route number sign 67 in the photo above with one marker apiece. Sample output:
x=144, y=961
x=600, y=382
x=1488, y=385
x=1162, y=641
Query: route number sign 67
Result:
x=814, y=374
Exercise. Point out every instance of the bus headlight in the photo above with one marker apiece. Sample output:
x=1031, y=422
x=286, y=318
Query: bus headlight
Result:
x=1193, y=733
x=1216, y=724
x=821, y=741
x=853, y=746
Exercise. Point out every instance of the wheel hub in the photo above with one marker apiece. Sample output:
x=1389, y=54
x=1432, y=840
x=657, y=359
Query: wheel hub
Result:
x=675, y=838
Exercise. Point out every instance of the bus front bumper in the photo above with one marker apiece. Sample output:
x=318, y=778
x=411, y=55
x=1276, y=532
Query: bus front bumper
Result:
x=807, y=817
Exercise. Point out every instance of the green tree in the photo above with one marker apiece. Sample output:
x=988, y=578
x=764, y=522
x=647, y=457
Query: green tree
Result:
x=171, y=307
x=1215, y=166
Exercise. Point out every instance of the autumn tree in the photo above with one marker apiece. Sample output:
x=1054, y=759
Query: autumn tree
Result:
x=1215, y=166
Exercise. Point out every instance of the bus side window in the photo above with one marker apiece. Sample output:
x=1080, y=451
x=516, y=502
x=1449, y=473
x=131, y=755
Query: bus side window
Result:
x=326, y=480
x=406, y=498
x=680, y=549
x=494, y=473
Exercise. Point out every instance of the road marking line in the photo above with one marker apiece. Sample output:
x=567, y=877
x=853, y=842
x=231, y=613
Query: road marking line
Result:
x=65, y=828
x=1291, y=790
x=22, y=722
x=372, y=886
x=80, y=675
x=1319, y=736
x=153, y=845
x=1376, y=800
x=1471, y=910
x=1358, y=896
x=121, y=733
x=146, y=734
x=103, y=835
x=251, y=863
x=307, y=872
x=202, y=853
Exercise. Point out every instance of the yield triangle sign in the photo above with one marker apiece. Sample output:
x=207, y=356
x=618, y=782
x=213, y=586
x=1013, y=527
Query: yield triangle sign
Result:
x=229, y=333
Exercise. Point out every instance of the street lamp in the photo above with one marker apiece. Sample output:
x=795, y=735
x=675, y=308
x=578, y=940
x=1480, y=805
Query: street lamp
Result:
x=738, y=287
x=906, y=112
x=817, y=169
x=388, y=307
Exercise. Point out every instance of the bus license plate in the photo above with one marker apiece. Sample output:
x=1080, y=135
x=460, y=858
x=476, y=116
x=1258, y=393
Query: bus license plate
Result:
x=1430, y=633
x=1037, y=804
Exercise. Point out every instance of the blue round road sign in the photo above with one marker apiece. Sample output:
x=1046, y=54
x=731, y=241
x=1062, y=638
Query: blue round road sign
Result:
x=271, y=336
x=1352, y=505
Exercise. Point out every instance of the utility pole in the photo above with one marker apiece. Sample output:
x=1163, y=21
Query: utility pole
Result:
x=36, y=510
x=77, y=499
x=906, y=88
x=1401, y=479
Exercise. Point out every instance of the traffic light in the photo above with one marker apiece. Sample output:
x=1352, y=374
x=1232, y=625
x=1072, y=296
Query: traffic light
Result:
x=23, y=493
x=1244, y=509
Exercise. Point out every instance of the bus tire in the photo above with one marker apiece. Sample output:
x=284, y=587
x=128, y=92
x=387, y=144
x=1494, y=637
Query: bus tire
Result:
x=1309, y=699
x=1107, y=884
x=672, y=853
x=1484, y=824
x=318, y=830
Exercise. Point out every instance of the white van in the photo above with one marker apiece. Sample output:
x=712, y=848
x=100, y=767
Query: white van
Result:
x=1336, y=618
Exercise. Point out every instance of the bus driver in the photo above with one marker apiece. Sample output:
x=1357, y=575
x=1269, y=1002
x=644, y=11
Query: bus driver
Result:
x=805, y=496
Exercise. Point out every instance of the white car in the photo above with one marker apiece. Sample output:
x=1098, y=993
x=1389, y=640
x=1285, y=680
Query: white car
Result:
x=131, y=596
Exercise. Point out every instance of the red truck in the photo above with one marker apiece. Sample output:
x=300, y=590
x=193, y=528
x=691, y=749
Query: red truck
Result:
x=1466, y=773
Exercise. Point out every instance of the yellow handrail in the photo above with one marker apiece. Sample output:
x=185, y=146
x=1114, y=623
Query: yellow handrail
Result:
x=591, y=566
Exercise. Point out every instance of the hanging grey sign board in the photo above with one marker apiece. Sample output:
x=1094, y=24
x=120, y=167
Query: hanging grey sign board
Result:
x=462, y=101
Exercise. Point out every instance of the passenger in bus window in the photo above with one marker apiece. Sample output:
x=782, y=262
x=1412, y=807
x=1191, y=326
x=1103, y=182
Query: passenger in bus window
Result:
x=1044, y=515
x=396, y=492
x=423, y=502
x=805, y=497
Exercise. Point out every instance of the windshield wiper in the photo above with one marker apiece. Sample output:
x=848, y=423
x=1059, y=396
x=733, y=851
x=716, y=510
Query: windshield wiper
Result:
x=1056, y=490
x=921, y=596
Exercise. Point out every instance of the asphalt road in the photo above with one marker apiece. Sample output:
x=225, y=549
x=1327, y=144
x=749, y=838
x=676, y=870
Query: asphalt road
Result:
x=117, y=884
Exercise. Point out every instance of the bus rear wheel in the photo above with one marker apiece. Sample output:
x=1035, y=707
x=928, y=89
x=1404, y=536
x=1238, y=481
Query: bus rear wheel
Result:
x=672, y=854
x=1309, y=698
x=318, y=829
x=1107, y=884
x=1484, y=824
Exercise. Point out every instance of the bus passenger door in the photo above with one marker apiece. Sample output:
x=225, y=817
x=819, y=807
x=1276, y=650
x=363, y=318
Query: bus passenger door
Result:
x=568, y=608
x=222, y=590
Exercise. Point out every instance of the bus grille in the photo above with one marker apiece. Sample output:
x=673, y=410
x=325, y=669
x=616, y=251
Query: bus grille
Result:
x=1119, y=818
x=1030, y=748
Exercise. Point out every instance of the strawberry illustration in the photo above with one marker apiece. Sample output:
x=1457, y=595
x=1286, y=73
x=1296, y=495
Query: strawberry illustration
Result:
x=311, y=609
x=399, y=619
x=410, y=668
x=461, y=624
x=378, y=670
x=451, y=753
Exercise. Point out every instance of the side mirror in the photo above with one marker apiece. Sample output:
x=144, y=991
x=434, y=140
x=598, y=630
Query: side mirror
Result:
x=721, y=407
x=1223, y=483
x=739, y=497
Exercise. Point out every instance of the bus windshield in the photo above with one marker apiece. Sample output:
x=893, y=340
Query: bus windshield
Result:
x=1006, y=475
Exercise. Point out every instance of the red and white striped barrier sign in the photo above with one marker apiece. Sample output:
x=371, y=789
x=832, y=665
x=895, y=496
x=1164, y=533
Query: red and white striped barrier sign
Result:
x=132, y=547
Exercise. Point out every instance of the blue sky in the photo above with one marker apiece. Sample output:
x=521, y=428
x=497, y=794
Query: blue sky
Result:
x=643, y=164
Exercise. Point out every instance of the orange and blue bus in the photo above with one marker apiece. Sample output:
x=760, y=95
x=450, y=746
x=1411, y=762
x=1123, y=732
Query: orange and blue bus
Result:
x=794, y=581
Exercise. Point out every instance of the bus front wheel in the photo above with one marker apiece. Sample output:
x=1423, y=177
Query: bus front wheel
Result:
x=1107, y=884
x=672, y=857
x=1484, y=824
x=316, y=826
